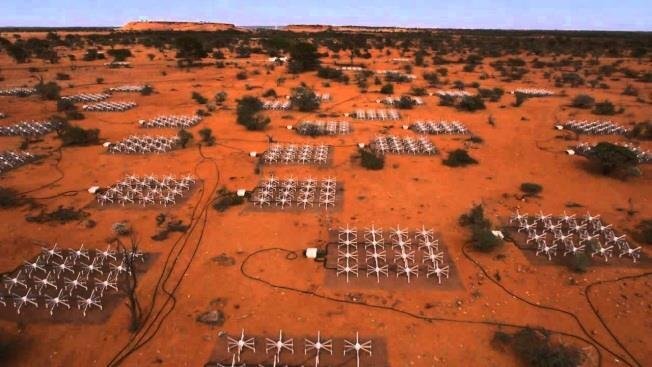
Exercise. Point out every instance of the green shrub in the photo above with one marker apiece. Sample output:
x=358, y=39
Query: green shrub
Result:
x=62, y=76
x=446, y=100
x=579, y=263
x=184, y=137
x=9, y=198
x=481, y=237
x=387, y=89
x=418, y=91
x=64, y=105
x=207, y=136
x=226, y=199
x=519, y=99
x=643, y=231
x=147, y=90
x=471, y=103
x=642, y=130
x=326, y=72
x=492, y=95
x=583, y=101
x=534, y=348
x=304, y=99
x=406, y=102
x=531, y=189
x=604, y=108
x=303, y=57
x=612, y=158
x=270, y=93
x=242, y=75
x=76, y=136
x=49, y=91
x=248, y=113
x=371, y=160
x=61, y=214
x=199, y=98
x=459, y=158
x=220, y=97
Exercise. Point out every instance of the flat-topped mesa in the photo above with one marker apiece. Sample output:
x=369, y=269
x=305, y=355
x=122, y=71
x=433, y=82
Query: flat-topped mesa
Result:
x=345, y=28
x=176, y=26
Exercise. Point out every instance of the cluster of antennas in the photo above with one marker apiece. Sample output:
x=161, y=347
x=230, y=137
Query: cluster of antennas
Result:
x=109, y=106
x=395, y=73
x=385, y=144
x=439, y=127
x=277, y=105
x=571, y=235
x=296, y=154
x=315, y=128
x=643, y=156
x=177, y=122
x=404, y=262
x=58, y=278
x=241, y=345
x=372, y=114
x=86, y=97
x=452, y=93
x=533, y=92
x=10, y=159
x=128, y=88
x=323, y=97
x=29, y=128
x=143, y=144
x=291, y=192
x=146, y=190
x=20, y=91
x=117, y=64
x=595, y=127
x=394, y=101
x=351, y=68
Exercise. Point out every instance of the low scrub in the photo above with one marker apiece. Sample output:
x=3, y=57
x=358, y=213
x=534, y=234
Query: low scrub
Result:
x=642, y=131
x=613, y=159
x=61, y=215
x=459, y=158
x=482, y=239
x=72, y=135
x=226, y=199
x=583, y=101
x=371, y=160
x=531, y=189
x=249, y=114
x=535, y=347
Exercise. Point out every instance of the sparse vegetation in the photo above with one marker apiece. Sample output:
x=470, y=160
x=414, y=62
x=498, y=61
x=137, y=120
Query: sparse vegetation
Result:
x=207, y=136
x=61, y=215
x=226, y=199
x=249, y=115
x=371, y=160
x=531, y=189
x=535, y=348
x=184, y=137
x=72, y=135
x=613, y=159
x=459, y=158
x=583, y=101
x=642, y=131
x=604, y=108
x=304, y=99
x=387, y=89
x=481, y=237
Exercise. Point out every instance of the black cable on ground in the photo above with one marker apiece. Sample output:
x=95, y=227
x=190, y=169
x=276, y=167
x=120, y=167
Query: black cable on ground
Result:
x=391, y=308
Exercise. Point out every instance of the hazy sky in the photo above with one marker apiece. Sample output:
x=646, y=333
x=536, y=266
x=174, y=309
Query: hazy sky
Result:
x=512, y=14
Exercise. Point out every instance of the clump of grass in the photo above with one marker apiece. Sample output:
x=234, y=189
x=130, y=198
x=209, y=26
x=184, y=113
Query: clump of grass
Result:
x=459, y=158
x=169, y=226
x=579, y=263
x=10, y=198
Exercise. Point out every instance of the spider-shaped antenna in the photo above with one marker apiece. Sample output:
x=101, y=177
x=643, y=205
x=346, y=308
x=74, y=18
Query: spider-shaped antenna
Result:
x=26, y=300
x=120, y=268
x=398, y=233
x=318, y=345
x=92, y=267
x=63, y=267
x=92, y=301
x=53, y=302
x=106, y=254
x=424, y=234
x=78, y=254
x=439, y=272
x=279, y=345
x=43, y=283
x=357, y=347
x=72, y=284
x=10, y=282
x=50, y=252
x=109, y=282
x=32, y=266
x=240, y=344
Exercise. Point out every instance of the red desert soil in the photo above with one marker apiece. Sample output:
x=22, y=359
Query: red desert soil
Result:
x=410, y=192
x=156, y=25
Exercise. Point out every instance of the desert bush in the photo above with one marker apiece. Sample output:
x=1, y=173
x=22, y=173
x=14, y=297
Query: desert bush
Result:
x=242, y=75
x=303, y=57
x=248, y=113
x=387, y=89
x=418, y=91
x=71, y=135
x=220, y=97
x=519, y=99
x=304, y=99
x=62, y=76
x=583, y=101
x=226, y=199
x=492, y=95
x=371, y=160
x=406, y=102
x=49, y=91
x=534, y=348
x=184, y=137
x=9, y=198
x=326, y=72
x=446, y=100
x=396, y=78
x=431, y=78
x=630, y=90
x=612, y=158
x=531, y=189
x=64, y=105
x=74, y=115
x=643, y=231
x=199, y=98
x=579, y=263
x=470, y=103
x=604, y=108
x=459, y=158
x=207, y=136
x=61, y=214
x=270, y=93
x=147, y=90
x=642, y=130
x=120, y=54
x=481, y=237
